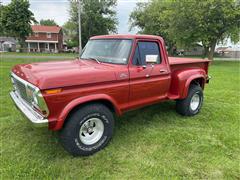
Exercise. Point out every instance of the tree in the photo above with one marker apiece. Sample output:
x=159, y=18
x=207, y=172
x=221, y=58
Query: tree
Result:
x=152, y=18
x=97, y=18
x=70, y=33
x=192, y=21
x=48, y=22
x=1, y=25
x=16, y=20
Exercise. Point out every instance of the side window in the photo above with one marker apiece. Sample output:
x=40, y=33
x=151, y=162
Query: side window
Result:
x=136, y=58
x=149, y=51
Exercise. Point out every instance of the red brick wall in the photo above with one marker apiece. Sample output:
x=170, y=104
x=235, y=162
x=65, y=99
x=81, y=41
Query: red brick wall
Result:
x=43, y=37
x=54, y=37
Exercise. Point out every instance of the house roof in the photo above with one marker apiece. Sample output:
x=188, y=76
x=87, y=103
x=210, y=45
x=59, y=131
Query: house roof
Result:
x=230, y=49
x=227, y=49
x=221, y=48
x=50, y=29
x=9, y=39
x=8, y=42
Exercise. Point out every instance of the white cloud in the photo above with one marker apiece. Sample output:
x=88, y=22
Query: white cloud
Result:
x=59, y=11
x=124, y=8
x=46, y=9
x=49, y=9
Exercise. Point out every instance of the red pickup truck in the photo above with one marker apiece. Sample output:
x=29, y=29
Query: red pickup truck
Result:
x=115, y=74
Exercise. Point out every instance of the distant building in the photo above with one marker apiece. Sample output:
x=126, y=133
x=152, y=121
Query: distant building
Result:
x=45, y=39
x=7, y=44
x=195, y=50
x=228, y=52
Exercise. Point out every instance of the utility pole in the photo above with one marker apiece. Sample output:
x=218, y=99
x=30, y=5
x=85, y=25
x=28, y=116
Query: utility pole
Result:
x=79, y=27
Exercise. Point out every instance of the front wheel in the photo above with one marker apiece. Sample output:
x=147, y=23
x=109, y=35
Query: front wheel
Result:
x=87, y=130
x=192, y=104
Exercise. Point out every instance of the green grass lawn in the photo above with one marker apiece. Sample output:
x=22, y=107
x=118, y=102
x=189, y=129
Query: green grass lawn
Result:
x=149, y=143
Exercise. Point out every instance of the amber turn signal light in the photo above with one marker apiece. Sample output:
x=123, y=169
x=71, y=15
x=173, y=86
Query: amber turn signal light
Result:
x=53, y=91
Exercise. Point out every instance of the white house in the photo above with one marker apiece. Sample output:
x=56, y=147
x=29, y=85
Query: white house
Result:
x=7, y=44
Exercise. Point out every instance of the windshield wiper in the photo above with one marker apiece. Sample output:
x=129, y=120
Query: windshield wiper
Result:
x=95, y=59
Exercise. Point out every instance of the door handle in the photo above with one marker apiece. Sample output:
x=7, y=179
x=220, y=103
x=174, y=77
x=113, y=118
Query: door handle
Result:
x=163, y=70
x=144, y=66
x=141, y=68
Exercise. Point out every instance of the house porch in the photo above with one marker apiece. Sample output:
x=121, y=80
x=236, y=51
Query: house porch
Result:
x=43, y=47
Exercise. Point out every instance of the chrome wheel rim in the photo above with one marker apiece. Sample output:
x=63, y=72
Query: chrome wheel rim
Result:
x=91, y=131
x=195, y=101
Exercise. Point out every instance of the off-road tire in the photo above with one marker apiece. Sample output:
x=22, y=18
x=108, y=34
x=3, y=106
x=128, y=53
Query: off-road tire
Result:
x=70, y=134
x=183, y=106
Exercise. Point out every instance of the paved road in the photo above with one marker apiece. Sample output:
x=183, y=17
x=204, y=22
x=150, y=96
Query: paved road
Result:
x=36, y=57
x=227, y=59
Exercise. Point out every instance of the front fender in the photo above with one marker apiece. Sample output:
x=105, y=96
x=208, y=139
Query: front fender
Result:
x=181, y=79
x=81, y=100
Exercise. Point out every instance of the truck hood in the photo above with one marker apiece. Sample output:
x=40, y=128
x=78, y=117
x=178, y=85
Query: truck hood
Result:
x=47, y=75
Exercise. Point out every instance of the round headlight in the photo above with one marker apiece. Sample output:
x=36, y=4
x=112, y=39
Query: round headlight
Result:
x=32, y=95
x=35, y=99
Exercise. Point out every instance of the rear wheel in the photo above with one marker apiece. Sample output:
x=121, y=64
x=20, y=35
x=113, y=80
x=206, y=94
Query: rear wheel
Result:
x=192, y=104
x=87, y=130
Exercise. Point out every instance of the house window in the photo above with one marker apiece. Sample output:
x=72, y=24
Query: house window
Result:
x=36, y=34
x=49, y=35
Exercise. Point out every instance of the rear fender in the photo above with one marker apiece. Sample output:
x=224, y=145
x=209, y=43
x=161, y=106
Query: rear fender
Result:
x=82, y=100
x=181, y=80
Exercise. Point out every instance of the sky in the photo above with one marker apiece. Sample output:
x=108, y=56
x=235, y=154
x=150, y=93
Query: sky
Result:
x=58, y=10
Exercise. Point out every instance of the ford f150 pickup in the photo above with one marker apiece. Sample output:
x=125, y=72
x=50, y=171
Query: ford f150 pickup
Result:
x=114, y=74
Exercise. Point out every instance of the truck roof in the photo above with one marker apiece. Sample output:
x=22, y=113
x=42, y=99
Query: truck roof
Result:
x=127, y=36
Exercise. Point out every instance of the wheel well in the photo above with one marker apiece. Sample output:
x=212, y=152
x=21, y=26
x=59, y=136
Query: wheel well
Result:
x=100, y=101
x=198, y=81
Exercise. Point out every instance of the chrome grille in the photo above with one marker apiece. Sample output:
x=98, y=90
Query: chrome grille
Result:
x=21, y=90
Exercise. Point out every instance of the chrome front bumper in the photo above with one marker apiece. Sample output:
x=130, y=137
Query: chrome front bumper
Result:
x=36, y=118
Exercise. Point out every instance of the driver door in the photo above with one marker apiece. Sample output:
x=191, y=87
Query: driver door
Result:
x=147, y=82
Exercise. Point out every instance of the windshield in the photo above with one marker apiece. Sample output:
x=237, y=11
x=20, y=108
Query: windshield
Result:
x=108, y=50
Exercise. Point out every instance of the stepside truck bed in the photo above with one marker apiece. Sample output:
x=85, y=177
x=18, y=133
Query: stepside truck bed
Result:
x=183, y=63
